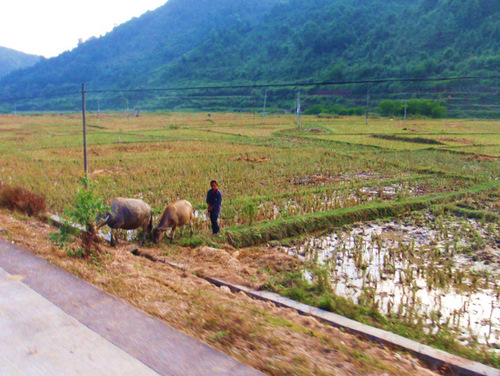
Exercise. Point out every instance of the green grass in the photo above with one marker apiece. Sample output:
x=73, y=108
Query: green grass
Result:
x=295, y=226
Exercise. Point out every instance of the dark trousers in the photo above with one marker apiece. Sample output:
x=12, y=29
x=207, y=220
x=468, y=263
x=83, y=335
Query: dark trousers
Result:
x=213, y=218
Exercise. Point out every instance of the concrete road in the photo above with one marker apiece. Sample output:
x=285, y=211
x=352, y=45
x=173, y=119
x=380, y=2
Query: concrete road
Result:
x=52, y=323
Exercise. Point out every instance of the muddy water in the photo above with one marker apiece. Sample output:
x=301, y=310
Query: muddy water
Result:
x=444, y=272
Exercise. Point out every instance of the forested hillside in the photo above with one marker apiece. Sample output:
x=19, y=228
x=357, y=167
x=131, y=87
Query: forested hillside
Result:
x=11, y=60
x=349, y=40
x=126, y=56
x=229, y=42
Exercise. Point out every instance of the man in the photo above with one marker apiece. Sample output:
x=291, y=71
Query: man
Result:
x=214, y=201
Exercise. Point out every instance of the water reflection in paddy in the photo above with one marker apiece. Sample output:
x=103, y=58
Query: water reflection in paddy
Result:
x=441, y=271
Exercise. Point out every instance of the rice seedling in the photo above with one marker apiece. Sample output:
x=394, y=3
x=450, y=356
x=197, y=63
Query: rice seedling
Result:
x=417, y=278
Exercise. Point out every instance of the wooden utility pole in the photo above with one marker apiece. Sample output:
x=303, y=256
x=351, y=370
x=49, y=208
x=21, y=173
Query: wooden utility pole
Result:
x=367, y=103
x=85, y=165
x=264, y=108
x=298, y=111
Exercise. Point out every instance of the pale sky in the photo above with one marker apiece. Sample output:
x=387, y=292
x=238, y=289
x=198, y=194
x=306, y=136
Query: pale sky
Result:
x=50, y=27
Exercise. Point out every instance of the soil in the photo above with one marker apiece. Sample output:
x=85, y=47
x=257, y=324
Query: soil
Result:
x=275, y=340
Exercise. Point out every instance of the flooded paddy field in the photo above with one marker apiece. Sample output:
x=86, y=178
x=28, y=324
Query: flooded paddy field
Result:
x=433, y=270
x=347, y=191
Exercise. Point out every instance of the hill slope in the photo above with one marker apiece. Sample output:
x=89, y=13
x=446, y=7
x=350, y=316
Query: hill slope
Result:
x=345, y=40
x=11, y=60
x=220, y=42
x=124, y=57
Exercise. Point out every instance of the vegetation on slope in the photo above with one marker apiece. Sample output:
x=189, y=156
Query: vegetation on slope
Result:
x=221, y=42
x=11, y=60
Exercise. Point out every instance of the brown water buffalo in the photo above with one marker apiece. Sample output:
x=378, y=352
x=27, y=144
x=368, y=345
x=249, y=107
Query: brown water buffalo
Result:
x=176, y=214
x=128, y=214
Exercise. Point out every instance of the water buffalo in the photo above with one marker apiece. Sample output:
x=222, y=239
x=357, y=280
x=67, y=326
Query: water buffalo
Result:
x=128, y=214
x=176, y=214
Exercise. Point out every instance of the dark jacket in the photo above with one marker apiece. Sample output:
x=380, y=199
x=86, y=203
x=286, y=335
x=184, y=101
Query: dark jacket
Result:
x=214, y=200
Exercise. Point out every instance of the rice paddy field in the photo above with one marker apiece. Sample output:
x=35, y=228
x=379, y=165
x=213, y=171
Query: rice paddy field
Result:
x=399, y=217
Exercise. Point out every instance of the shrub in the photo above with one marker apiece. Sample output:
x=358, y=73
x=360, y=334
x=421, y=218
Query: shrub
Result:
x=315, y=109
x=86, y=206
x=433, y=109
x=23, y=200
x=338, y=109
x=390, y=107
x=335, y=109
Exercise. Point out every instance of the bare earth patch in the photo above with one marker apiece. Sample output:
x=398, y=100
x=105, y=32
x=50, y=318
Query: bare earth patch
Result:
x=275, y=340
x=254, y=159
x=313, y=179
x=477, y=157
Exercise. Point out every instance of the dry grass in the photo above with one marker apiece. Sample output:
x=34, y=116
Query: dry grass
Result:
x=165, y=157
x=22, y=200
x=275, y=340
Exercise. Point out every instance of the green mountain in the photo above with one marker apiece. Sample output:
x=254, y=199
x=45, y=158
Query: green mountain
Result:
x=188, y=43
x=351, y=40
x=124, y=57
x=11, y=60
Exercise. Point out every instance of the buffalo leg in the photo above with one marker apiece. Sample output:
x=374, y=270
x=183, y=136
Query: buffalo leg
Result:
x=144, y=230
x=174, y=227
x=116, y=227
x=114, y=238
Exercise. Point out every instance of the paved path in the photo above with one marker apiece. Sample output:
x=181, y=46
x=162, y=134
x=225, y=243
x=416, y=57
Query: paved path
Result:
x=52, y=323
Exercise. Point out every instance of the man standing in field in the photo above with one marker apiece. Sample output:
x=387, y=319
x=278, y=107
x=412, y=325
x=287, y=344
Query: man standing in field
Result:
x=214, y=201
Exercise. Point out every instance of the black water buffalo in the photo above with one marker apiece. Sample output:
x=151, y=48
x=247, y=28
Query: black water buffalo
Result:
x=128, y=214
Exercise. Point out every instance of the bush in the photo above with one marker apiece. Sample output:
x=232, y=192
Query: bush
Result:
x=433, y=109
x=23, y=200
x=86, y=206
x=315, y=109
x=336, y=109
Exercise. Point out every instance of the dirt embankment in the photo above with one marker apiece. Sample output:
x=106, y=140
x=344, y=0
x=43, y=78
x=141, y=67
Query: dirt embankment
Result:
x=275, y=340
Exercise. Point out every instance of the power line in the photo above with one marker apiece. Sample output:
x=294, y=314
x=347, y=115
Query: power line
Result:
x=257, y=86
x=300, y=84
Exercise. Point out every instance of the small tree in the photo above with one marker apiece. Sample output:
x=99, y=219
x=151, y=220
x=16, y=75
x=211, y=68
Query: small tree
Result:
x=315, y=109
x=424, y=107
x=86, y=207
x=389, y=107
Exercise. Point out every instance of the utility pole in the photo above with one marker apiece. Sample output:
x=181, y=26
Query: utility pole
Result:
x=254, y=111
x=367, y=103
x=85, y=165
x=298, y=110
x=264, y=108
x=406, y=104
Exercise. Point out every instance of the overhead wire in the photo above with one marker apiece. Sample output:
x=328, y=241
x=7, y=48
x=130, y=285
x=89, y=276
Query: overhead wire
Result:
x=254, y=86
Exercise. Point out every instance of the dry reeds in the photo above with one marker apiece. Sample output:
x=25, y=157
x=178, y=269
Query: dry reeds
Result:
x=22, y=200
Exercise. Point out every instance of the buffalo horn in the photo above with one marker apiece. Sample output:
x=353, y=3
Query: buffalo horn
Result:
x=105, y=221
